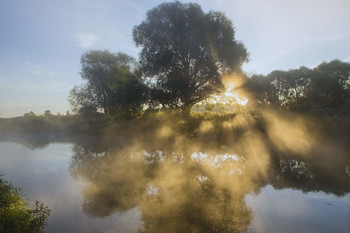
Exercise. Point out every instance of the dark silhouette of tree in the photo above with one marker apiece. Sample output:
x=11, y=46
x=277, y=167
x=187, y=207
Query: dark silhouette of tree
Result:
x=186, y=51
x=29, y=114
x=47, y=113
x=323, y=87
x=312, y=174
x=289, y=85
x=261, y=90
x=113, y=86
x=330, y=84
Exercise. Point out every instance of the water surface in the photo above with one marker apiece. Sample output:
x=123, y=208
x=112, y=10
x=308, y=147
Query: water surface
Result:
x=177, y=186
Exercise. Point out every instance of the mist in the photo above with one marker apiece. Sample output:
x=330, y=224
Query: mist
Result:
x=175, y=133
x=196, y=180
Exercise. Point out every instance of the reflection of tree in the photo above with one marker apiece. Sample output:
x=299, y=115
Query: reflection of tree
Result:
x=173, y=191
x=31, y=141
x=188, y=197
x=179, y=188
x=312, y=174
x=115, y=182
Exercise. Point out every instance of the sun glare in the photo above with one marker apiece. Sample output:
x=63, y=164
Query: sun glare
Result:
x=232, y=84
x=231, y=96
x=234, y=93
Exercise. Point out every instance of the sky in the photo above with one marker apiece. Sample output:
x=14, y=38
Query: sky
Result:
x=41, y=41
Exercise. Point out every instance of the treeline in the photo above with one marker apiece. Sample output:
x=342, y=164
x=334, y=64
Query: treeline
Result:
x=323, y=89
x=47, y=123
x=184, y=52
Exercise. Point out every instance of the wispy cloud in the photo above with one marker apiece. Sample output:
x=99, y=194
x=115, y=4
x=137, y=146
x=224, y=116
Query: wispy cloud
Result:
x=37, y=69
x=36, y=87
x=86, y=40
x=34, y=68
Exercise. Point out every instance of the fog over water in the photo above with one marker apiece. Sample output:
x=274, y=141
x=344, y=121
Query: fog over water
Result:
x=241, y=174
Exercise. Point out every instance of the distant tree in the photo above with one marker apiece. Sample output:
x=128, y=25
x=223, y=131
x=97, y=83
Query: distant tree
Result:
x=47, y=113
x=114, y=85
x=261, y=90
x=338, y=70
x=330, y=84
x=29, y=114
x=297, y=82
x=290, y=86
x=186, y=51
x=325, y=86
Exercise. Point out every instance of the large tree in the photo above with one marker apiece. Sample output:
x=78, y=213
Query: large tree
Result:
x=113, y=85
x=185, y=52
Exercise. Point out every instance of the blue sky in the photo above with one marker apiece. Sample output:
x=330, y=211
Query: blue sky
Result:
x=41, y=41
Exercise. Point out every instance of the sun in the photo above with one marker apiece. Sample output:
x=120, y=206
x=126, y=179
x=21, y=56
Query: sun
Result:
x=233, y=93
x=231, y=96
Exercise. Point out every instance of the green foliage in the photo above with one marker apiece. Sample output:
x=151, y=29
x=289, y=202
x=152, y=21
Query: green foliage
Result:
x=323, y=87
x=114, y=86
x=47, y=113
x=15, y=216
x=209, y=106
x=129, y=93
x=29, y=114
x=186, y=51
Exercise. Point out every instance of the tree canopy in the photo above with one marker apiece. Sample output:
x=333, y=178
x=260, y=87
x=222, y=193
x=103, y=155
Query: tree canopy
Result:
x=327, y=86
x=185, y=56
x=113, y=86
x=186, y=51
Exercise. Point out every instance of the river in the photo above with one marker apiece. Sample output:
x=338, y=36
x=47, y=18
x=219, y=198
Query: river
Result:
x=131, y=187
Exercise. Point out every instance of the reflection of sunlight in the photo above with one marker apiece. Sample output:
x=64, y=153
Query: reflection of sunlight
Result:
x=226, y=157
x=217, y=158
x=242, y=101
x=199, y=156
x=229, y=94
x=202, y=178
x=151, y=190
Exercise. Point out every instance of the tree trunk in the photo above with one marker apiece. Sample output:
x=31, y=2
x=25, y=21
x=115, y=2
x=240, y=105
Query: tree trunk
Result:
x=186, y=109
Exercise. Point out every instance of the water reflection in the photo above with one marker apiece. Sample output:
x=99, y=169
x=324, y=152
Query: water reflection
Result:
x=173, y=191
x=198, y=180
x=193, y=188
x=312, y=175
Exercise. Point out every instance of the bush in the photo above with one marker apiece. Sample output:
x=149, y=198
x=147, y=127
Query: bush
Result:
x=15, y=216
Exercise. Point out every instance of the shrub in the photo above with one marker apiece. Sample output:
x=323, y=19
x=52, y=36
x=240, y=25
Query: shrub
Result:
x=16, y=216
